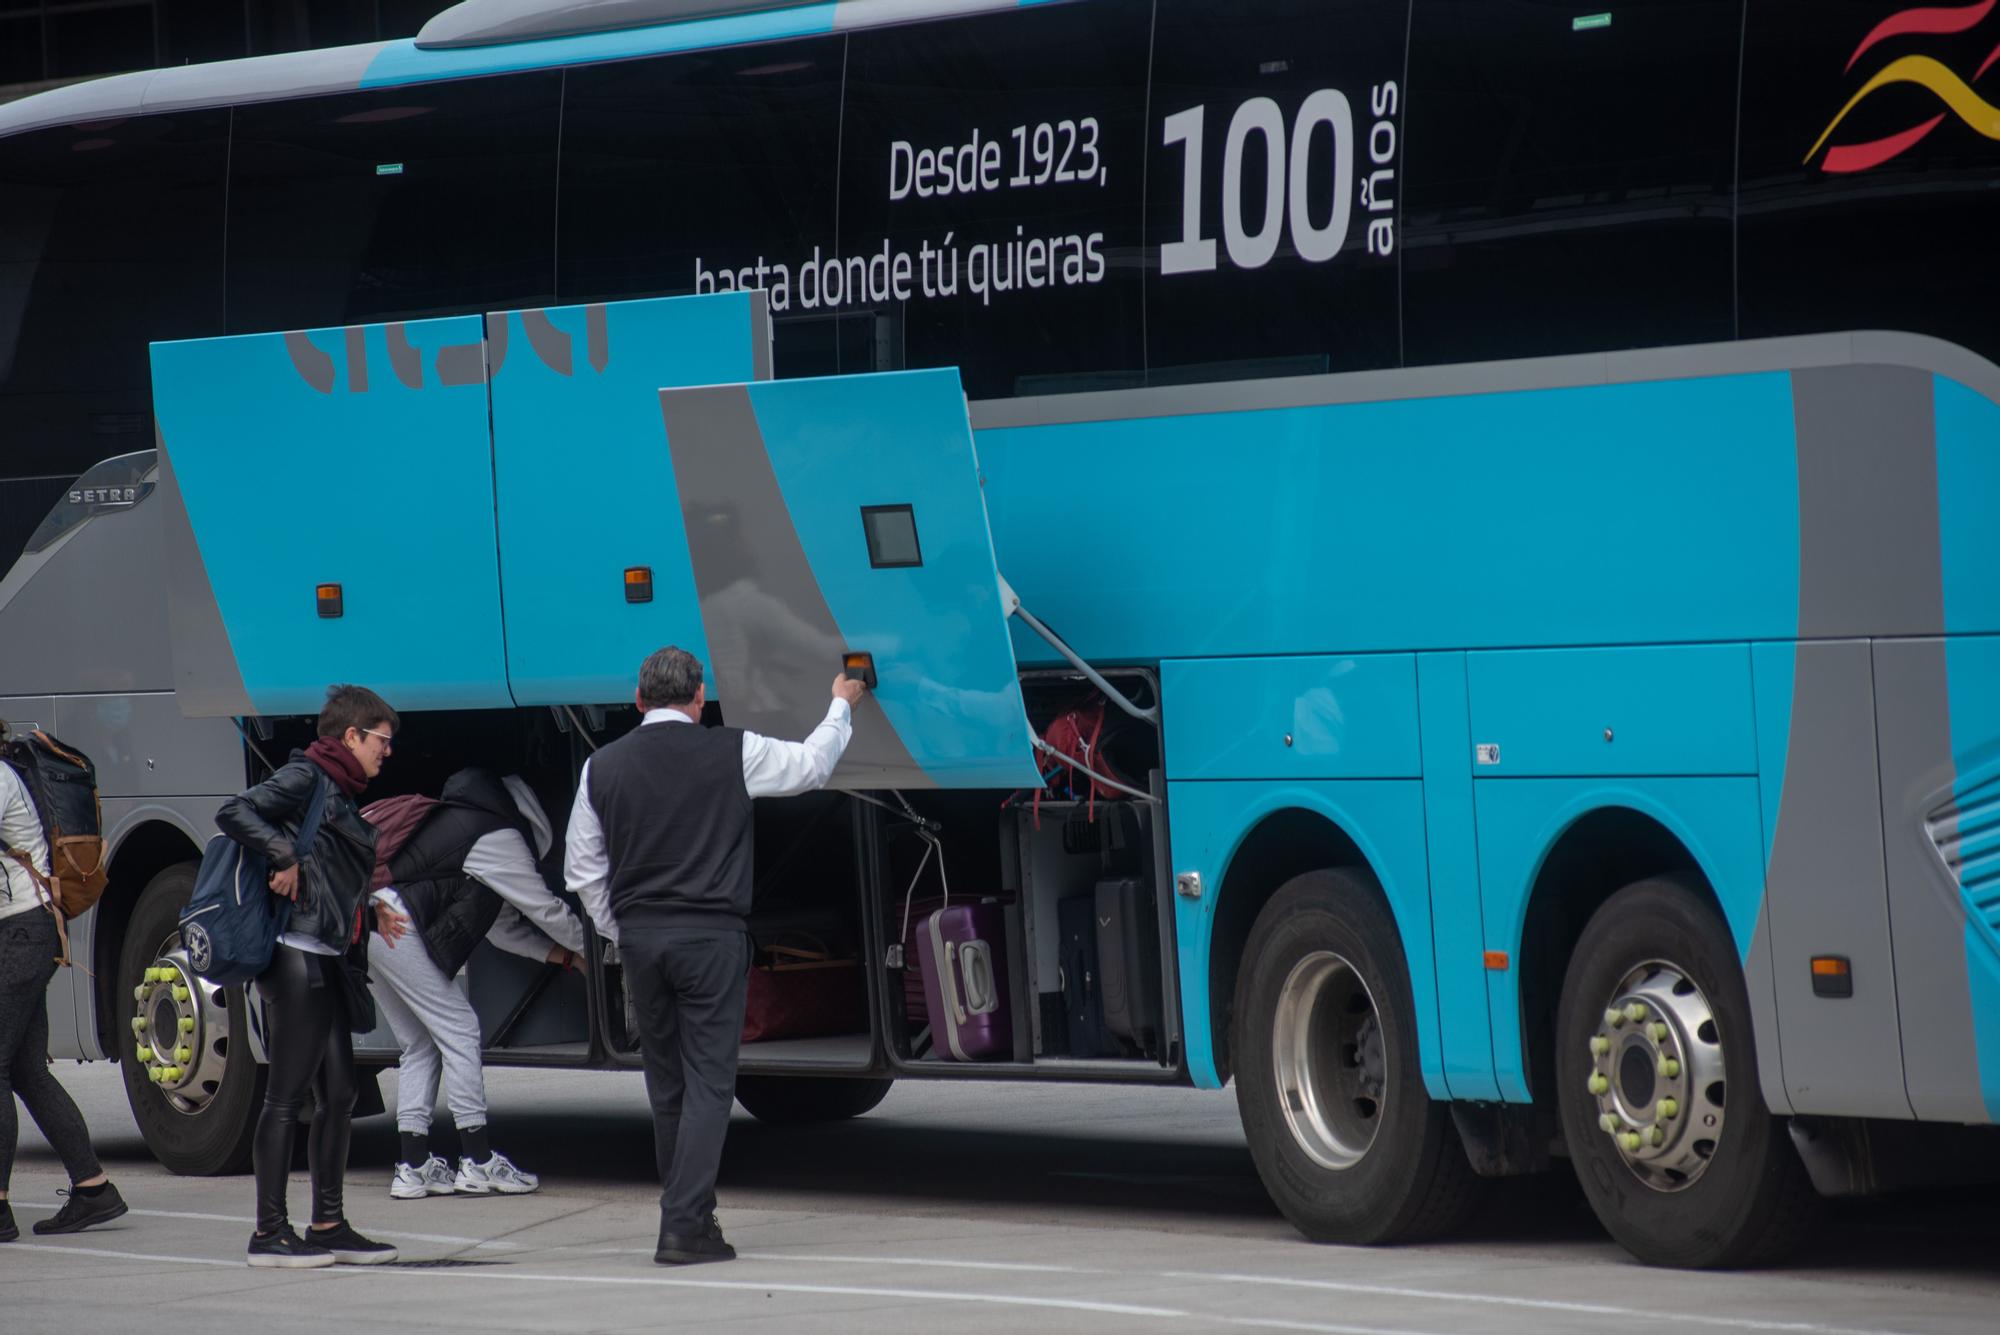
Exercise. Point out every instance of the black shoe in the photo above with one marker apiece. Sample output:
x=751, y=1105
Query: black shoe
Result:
x=694, y=1248
x=349, y=1247
x=286, y=1251
x=9, y=1230
x=80, y=1211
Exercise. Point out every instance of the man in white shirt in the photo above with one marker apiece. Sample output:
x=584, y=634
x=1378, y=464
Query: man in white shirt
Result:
x=659, y=851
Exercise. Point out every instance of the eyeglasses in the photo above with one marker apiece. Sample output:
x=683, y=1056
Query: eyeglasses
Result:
x=388, y=738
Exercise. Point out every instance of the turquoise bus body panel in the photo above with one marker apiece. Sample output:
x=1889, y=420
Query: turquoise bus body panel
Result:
x=1520, y=820
x=1656, y=512
x=583, y=386
x=1452, y=838
x=1293, y=718
x=1968, y=464
x=1681, y=709
x=355, y=456
x=1385, y=818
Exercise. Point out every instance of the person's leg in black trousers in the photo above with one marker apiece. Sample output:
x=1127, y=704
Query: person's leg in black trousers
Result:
x=333, y=1089
x=689, y=986
x=298, y=1009
x=28, y=947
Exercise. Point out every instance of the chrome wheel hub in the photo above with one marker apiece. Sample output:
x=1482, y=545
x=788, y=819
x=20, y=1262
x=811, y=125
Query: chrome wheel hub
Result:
x=1330, y=1061
x=1657, y=1076
x=180, y=1030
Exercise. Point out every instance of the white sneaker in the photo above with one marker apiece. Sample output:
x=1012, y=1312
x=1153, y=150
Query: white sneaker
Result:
x=496, y=1174
x=413, y=1184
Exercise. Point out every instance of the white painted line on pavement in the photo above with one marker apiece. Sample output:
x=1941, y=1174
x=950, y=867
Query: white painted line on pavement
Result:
x=1542, y=1304
x=447, y=1239
x=490, y=1276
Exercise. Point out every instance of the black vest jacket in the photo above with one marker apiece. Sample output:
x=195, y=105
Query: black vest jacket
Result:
x=677, y=825
x=451, y=911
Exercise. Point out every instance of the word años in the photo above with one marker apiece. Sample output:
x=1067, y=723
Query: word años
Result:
x=929, y=273
x=1050, y=151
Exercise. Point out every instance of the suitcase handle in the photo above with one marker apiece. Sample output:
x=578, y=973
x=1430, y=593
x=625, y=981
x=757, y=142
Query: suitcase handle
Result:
x=973, y=964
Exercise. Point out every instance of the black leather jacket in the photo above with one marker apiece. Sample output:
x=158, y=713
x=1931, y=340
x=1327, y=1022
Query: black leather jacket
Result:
x=333, y=880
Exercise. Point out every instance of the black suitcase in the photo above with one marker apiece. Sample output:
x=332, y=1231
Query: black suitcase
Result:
x=1082, y=990
x=1128, y=956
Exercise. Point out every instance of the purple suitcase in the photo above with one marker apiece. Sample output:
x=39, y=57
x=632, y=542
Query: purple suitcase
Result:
x=962, y=955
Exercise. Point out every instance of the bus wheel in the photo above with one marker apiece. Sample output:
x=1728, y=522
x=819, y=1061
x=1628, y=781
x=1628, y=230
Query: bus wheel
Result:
x=785, y=1100
x=184, y=1044
x=1656, y=1080
x=1345, y=1137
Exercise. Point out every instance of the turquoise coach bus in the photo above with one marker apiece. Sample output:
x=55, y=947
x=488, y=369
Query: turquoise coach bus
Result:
x=1506, y=490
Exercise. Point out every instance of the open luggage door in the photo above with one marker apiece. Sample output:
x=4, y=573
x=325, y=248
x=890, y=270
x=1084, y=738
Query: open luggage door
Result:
x=327, y=501
x=837, y=516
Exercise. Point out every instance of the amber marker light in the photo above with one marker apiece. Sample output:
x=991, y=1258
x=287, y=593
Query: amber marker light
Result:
x=1832, y=976
x=327, y=596
x=638, y=584
x=1496, y=961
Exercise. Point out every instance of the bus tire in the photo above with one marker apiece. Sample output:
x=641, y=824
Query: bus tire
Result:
x=1656, y=1084
x=792, y=1100
x=200, y=1123
x=1346, y=1138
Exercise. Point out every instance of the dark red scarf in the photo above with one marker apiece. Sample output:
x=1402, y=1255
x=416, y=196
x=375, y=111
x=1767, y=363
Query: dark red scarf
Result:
x=340, y=765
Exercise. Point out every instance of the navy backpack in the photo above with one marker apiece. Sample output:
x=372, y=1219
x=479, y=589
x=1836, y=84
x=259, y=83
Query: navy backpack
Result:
x=232, y=922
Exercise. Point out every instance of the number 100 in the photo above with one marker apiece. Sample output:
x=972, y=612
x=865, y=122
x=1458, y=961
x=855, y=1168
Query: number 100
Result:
x=1285, y=176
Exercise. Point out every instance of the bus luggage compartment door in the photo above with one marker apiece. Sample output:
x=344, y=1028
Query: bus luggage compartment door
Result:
x=843, y=515
x=333, y=518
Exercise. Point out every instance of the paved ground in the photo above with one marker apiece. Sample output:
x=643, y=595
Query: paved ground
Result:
x=966, y=1207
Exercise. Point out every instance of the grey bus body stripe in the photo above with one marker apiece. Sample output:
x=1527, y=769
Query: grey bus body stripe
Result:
x=1746, y=357
x=207, y=679
x=751, y=571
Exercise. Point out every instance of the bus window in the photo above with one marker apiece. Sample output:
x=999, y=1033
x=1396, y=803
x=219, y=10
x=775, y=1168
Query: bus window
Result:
x=1889, y=221
x=991, y=178
x=709, y=171
x=110, y=237
x=1275, y=187
x=394, y=204
x=1570, y=177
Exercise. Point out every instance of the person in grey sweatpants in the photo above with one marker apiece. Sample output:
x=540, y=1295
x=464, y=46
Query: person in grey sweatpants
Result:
x=468, y=872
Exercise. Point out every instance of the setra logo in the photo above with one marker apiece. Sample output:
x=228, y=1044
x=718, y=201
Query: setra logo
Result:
x=1926, y=72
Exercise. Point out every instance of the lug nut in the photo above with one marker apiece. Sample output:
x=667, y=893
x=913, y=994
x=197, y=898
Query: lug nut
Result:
x=145, y=1054
x=181, y=993
x=138, y=1024
x=1599, y=1083
x=155, y=1074
x=1630, y=1142
x=1659, y=1032
x=139, y=993
x=1599, y=1045
x=187, y=1024
x=173, y=1073
x=1669, y=1109
x=1609, y=1122
x=1635, y=1011
x=1615, y=1018
x=184, y=1055
x=1658, y=1137
x=1669, y=1067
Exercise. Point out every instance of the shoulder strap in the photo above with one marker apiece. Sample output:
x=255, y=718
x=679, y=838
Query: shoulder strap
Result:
x=315, y=812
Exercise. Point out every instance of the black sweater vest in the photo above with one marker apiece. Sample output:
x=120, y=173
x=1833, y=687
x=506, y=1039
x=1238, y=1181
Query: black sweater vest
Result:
x=677, y=825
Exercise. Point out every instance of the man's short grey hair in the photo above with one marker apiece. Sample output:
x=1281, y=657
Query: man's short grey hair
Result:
x=669, y=678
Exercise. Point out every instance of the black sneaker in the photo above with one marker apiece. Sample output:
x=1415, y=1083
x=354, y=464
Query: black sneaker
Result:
x=349, y=1247
x=694, y=1248
x=9, y=1230
x=80, y=1211
x=286, y=1251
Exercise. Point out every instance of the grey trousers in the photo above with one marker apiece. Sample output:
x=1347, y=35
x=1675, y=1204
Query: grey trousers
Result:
x=688, y=986
x=435, y=1026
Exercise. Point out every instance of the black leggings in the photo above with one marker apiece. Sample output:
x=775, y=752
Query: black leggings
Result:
x=311, y=1043
x=28, y=949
